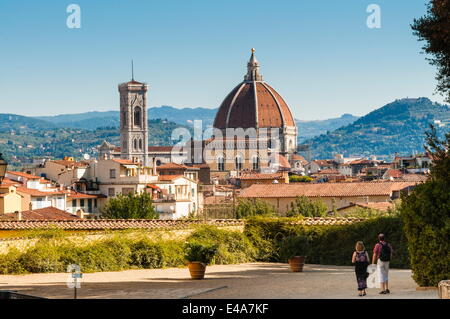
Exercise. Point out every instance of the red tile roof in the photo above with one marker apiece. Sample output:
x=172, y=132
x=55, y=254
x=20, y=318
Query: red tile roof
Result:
x=38, y=193
x=68, y=163
x=164, y=178
x=394, y=173
x=261, y=176
x=162, y=149
x=92, y=224
x=324, y=189
x=73, y=195
x=28, y=176
x=383, y=206
x=124, y=161
x=47, y=213
x=171, y=166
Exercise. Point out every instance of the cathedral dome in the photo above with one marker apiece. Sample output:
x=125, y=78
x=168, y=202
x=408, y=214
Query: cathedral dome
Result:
x=253, y=103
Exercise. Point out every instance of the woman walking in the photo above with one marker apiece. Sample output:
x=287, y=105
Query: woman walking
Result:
x=361, y=260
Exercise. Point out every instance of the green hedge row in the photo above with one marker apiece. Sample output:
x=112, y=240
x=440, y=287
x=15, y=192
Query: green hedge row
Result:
x=264, y=239
x=277, y=240
x=53, y=252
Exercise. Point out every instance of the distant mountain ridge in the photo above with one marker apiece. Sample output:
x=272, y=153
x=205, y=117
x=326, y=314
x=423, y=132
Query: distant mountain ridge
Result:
x=396, y=127
x=185, y=116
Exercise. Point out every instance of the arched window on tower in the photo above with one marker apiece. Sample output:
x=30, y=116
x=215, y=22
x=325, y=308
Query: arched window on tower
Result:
x=140, y=143
x=220, y=164
x=137, y=116
x=255, y=162
x=238, y=162
x=135, y=144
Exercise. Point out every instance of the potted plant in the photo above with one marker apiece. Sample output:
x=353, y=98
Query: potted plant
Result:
x=295, y=250
x=198, y=256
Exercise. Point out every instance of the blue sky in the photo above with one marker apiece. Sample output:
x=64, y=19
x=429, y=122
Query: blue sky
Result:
x=319, y=55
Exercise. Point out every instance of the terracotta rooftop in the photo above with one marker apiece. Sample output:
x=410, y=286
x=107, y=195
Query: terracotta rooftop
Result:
x=68, y=163
x=383, y=206
x=171, y=166
x=261, y=176
x=324, y=189
x=38, y=193
x=22, y=174
x=296, y=157
x=328, y=171
x=47, y=213
x=100, y=224
x=394, y=173
x=125, y=161
x=160, y=148
x=164, y=178
x=74, y=195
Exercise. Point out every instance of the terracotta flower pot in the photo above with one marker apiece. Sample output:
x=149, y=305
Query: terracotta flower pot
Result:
x=197, y=269
x=297, y=263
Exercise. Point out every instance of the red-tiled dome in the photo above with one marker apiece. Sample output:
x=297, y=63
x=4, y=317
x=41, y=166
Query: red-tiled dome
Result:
x=253, y=103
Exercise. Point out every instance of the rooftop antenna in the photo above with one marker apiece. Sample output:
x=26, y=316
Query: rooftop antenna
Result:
x=132, y=70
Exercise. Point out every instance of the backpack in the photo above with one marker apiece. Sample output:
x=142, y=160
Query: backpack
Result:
x=385, y=254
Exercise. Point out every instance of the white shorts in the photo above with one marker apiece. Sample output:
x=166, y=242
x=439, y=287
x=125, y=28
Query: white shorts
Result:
x=383, y=270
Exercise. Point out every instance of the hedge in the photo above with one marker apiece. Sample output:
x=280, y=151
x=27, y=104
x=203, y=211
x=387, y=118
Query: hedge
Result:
x=264, y=239
x=327, y=245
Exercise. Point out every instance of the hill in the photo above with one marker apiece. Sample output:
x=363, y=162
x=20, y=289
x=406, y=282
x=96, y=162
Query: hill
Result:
x=22, y=138
x=93, y=120
x=310, y=129
x=396, y=127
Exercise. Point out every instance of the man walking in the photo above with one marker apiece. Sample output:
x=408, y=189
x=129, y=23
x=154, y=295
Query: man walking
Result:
x=382, y=254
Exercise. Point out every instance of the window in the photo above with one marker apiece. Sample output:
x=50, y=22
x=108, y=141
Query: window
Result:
x=238, y=163
x=137, y=116
x=140, y=143
x=255, y=162
x=158, y=162
x=220, y=164
x=95, y=202
x=81, y=202
x=74, y=203
x=112, y=173
x=111, y=192
x=135, y=144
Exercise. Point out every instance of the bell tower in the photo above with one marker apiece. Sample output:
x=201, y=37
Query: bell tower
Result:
x=133, y=121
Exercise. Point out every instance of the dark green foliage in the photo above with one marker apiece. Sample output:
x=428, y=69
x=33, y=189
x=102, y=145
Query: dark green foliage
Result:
x=328, y=245
x=201, y=252
x=299, y=179
x=10, y=262
x=156, y=254
x=303, y=206
x=396, y=127
x=294, y=246
x=426, y=217
x=254, y=207
x=434, y=28
x=43, y=257
x=131, y=206
x=232, y=247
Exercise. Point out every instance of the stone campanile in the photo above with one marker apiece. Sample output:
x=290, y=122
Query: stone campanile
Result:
x=133, y=121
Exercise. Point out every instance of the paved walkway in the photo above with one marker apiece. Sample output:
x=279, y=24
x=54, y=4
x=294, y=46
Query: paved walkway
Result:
x=251, y=280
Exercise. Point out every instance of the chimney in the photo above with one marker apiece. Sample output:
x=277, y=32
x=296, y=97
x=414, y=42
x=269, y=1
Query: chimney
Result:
x=18, y=215
x=80, y=213
x=154, y=165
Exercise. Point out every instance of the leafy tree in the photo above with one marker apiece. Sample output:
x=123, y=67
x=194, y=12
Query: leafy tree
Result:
x=248, y=208
x=303, y=206
x=131, y=206
x=426, y=217
x=434, y=28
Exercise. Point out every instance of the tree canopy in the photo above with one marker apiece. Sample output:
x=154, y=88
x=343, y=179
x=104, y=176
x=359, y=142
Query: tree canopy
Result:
x=434, y=28
x=130, y=206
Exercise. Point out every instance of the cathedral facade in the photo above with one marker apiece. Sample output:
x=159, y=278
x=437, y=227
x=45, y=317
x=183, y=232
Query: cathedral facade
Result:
x=254, y=130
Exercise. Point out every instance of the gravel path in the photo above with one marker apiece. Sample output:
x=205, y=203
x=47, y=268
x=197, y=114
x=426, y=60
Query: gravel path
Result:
x=251, y=280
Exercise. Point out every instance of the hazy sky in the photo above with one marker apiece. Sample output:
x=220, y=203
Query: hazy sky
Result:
x=319, y=55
